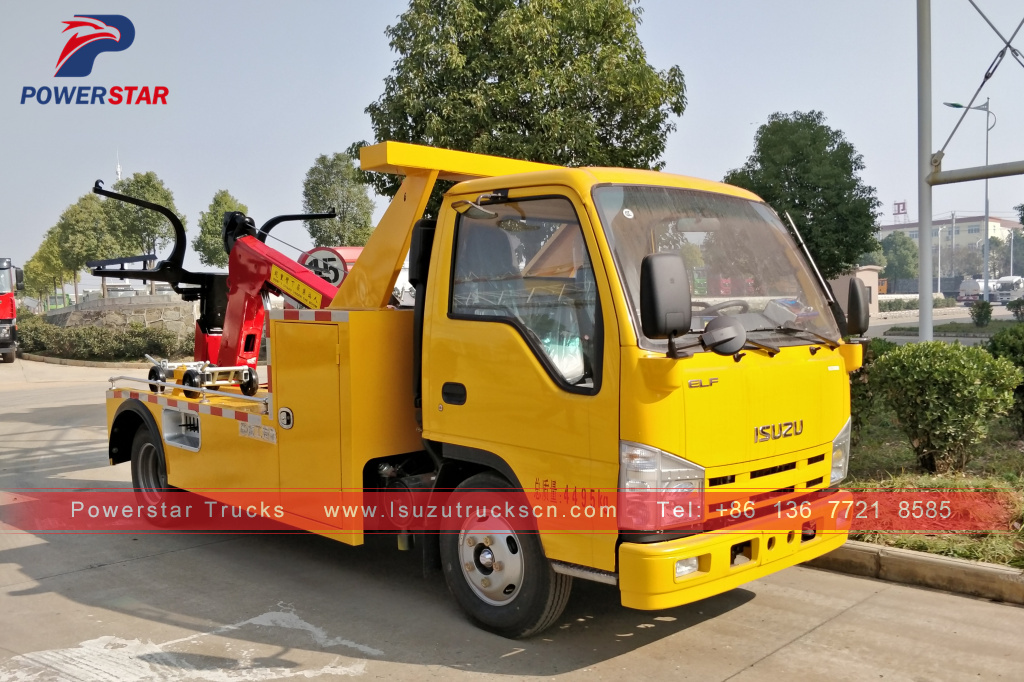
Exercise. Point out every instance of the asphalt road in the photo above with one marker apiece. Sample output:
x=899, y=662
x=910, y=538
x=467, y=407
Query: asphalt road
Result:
x=264, y=607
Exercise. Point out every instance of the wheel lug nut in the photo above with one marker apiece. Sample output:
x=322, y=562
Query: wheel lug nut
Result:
x=498, y=566
x=471, y=541
x=470, y=567
x=485, y=582
x=488, y=541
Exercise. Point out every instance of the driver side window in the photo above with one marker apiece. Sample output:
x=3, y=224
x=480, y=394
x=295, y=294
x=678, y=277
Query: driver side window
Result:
x=528, y=266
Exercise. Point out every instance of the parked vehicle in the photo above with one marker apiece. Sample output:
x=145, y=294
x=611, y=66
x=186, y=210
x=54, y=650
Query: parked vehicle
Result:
x=11, y=279
x=560, y=354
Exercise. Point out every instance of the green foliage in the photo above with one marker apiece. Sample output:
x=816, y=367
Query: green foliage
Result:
x=140, y=230
x=1009, y=343
x=863, y=390
x=45, y=270
x=1016, y=306
x=100, y=343
x=556, y=81
x=332, y=182
x=888, y=305
x=944, y=396
x=82, y=234
x=209, y=243
x=981, y=313
x=900, y=256
x=876, y=257
x=803, y=167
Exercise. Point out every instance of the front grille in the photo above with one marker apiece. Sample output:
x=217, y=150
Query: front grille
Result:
x=773, y=470
x=764, y=487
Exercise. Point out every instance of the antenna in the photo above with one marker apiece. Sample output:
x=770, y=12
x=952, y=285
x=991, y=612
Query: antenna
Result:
x=118, y=172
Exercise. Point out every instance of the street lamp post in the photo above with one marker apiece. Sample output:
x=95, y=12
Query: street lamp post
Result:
x=982, y=107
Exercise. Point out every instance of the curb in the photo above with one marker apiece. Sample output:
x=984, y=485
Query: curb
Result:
x=83, y=363
x=973, y=578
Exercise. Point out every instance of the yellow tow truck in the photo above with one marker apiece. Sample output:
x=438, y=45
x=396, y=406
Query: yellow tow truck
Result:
x=555, y=353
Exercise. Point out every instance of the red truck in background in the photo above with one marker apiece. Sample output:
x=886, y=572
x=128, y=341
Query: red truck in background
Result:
x=11, y=279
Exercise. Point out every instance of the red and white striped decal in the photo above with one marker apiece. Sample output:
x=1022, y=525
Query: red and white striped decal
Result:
x=186, y=406
x=322, y=315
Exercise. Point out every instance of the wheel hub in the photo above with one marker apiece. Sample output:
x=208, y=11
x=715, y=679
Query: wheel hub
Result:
x=492, y=559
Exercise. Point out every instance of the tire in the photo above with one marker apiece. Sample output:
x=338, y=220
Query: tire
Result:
x=149, y=472
x=156, y=374
x=251, y=385
x=190, y=378
x=518, y=597
x=8, y=357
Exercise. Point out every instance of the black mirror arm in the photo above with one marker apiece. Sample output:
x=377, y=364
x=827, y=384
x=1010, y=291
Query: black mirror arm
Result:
x=177, y=257
x=675, y=352
x=269, y=225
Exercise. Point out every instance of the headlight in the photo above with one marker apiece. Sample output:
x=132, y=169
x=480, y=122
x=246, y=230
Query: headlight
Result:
x=658, y=490
x=840, y=455
x=5, y=332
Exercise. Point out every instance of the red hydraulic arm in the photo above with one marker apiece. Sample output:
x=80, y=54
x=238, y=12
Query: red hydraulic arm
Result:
x=253, y=270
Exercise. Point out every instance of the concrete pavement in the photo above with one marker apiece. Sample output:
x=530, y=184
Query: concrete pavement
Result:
x=262, y=607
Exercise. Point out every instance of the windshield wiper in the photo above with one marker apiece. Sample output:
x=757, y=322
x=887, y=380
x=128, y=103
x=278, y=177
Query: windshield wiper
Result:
x=832, y=344
x=772, y=351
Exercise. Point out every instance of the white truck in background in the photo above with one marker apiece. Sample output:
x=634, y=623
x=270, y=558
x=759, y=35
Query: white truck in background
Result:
x=1008, y=288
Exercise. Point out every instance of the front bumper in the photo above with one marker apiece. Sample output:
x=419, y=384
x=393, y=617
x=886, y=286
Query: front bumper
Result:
x=647, y=571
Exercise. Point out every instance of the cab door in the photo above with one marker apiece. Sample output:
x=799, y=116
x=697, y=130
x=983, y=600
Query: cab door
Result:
x=519, y=352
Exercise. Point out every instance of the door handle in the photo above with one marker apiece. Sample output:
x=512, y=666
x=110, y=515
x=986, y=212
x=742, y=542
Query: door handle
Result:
x=453, y=393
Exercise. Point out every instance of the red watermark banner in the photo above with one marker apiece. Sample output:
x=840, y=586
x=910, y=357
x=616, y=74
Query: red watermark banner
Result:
x=401, y=510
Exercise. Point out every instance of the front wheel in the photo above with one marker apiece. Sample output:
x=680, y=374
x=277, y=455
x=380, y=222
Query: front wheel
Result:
x=497, y=572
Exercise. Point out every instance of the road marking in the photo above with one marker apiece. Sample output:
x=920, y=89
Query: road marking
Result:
x=114, y=659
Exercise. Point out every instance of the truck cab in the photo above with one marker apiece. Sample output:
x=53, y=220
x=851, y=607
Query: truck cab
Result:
x=564, y=351
x=11, y=280
x=1009, y=288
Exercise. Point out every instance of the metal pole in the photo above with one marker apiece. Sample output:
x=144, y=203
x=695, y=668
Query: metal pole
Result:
x=952, y=245
x=1011, y=251
x=924, y=158
x=987, y=114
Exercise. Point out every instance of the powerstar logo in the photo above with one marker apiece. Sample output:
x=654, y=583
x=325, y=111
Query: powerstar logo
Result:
x=89, y=36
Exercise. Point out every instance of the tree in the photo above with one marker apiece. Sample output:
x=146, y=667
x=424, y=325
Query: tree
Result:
x=901, y=259
x=81, y=235
x=332, y=183
x=803, y=167
x=876, y=257
x=140, y=230
x=557, y=81
x=968, y=263
x=209, y=243
x=44, y=270
x=998, y=257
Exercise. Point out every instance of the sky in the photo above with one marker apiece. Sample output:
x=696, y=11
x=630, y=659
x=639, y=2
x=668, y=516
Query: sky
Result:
x=258, y=89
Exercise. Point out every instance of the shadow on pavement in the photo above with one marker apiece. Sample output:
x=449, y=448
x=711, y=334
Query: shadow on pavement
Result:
x=372, y=595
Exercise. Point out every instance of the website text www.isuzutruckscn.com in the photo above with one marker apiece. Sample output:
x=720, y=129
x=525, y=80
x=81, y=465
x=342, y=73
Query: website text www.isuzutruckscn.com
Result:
x=404, y=510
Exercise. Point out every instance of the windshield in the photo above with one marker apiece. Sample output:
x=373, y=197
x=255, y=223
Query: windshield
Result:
x=5, y=281
x=740, y=259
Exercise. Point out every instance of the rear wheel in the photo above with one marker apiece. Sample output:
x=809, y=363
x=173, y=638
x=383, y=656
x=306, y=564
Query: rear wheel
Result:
x=149, y=471
x=497, y=572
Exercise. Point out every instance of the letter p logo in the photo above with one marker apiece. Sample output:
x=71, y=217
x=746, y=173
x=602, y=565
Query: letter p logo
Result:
x=92, y=35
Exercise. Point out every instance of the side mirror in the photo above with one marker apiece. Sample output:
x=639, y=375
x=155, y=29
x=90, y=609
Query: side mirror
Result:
x=664, y=296
x=858, y=311
x=19, y=278
x=724, y=335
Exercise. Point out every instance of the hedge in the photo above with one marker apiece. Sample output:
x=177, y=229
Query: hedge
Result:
x=100, y=343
